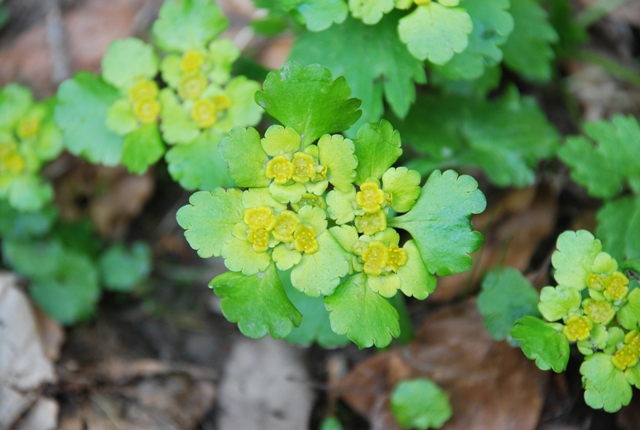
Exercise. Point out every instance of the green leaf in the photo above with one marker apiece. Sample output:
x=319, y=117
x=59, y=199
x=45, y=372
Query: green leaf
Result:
x=370, y=11
x=608, y=152
x=387, y=68
x=403, y=186
x=435, y=32
x=331, y=423
x=83, y=102
x=15, y=101
x=120, y=118
x=440, y=222
x=492, y=25
x=420, y=403
x=257, y=303
x=176, y=125
x=629, y=314
x=506, y=137
x=29, y=193
x=619, y=227
x=142, y=148
x=321, y=14
x=377, y=148
x=209, y=218
x=605, y=386
x=122, y=269
x=527, y=50
x=128, y=61
x=541, y=342
x=506, y=296
x=320, y=273
x=242, y=151
x=198, y=165
x=20, y=254
x=308, y=100
x=416, y=281
x=187, y=24
x=557, y=303
x=315, y=326
x=243, y=111
x=364, y=316
x=239, y=256
x=337, y=154
x=15, y=224
x=574, y=257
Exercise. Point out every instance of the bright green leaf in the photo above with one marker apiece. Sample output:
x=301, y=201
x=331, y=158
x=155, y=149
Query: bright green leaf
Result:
x=574, y=257
x=176, y=125
x=506, y=296
x=337, y=154
x=331, y=423
x=377, y=148
x=364, y=316
x=403, y=186
x=619, y=227
x=541, y=342
x=120, y=118
x=257, y=303
x=629, y=314
x=416, y=281
x=243, y=110
x=420, y=403
x=122, y=269
x=370, y=11
x=15, y=101
x=142, y=148
x=557, y=303
x=209, y=219
x=187, y=24
x=81, y=112
x=29, y=193
x=242, y=151
x=440, y=222
x=527, y=50
x=605, y=386
x=435, y=32
x=239, y=256
x=128, y=61
x=308, y=100
x=321, y=14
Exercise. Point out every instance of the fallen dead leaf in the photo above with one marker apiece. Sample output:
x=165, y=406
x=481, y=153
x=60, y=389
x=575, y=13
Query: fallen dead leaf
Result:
x=24, y=367
x=513, y=229
x=491, y=385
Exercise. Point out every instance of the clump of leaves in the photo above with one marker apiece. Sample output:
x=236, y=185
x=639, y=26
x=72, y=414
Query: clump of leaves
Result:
x=129, y=116
x=28, y=139
x=596, y=306
x=328, y=209
x=607, y=150
x=67, y=265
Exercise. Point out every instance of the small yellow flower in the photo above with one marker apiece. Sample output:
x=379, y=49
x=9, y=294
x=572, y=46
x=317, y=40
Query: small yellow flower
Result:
x=222, y=102
x=28, y=127
x=12, y=163
x=279, y=169
x=596, y=281
x=144, y=89
x=626, y=356
x=260, y=217
x=397, y=257
x=375, y=257
x=259, y=239
x=286, y=224
x=147, y=110
x=370, y=197
x=192, y=61
x=192, y=86
x=371, y=223
x=578, y=328
x=633, y=339
x=204, y=113
x=615, y=286
x=304, y=239
x=600, y=312
x=303, y=169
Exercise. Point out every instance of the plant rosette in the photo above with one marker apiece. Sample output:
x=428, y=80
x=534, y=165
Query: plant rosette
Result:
x=594, y=306
x=283, y=221
x=28, y=138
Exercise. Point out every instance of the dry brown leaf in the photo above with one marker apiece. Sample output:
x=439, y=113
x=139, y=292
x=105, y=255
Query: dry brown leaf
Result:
x=513, y=228
x=491, y=385
x=24, y=368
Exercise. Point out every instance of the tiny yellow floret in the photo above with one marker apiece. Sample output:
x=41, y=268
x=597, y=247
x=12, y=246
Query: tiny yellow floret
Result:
x=626, y=356
x=28, y=127
x=222, y=102
x=304, y=239
x=596, y=281
x=192, y=86
x=204, y=112
x=633, y=339
x=303, y=170
x=375, y=257
x=192, y=61
x=371, y=223
x=286, y=224
x=370, y=197
x=144, y=89
x=397, y=257
x=615, y=286
x=12, y=163
x=259, y=239
x=577, y=328
x=147, y=110
x=600, y=312
x=260, y=217
x=279, y=169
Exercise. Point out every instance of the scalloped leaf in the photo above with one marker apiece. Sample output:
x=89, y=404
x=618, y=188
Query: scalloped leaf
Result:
x=365, y=317
x=619, y=228
x=127, y=61
x=83, y=102
x=15, y=101
x=121, y=269
x=308, y=100
x=321, y=14
x=370, y=11
x=187, y=24
x=440, y=223
x=605, y=386
x=577, y=250
x=377, y=148
x=541, y=342
x=420, y=403
x=142, y=148
x=257, y=303
x=244, y=154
